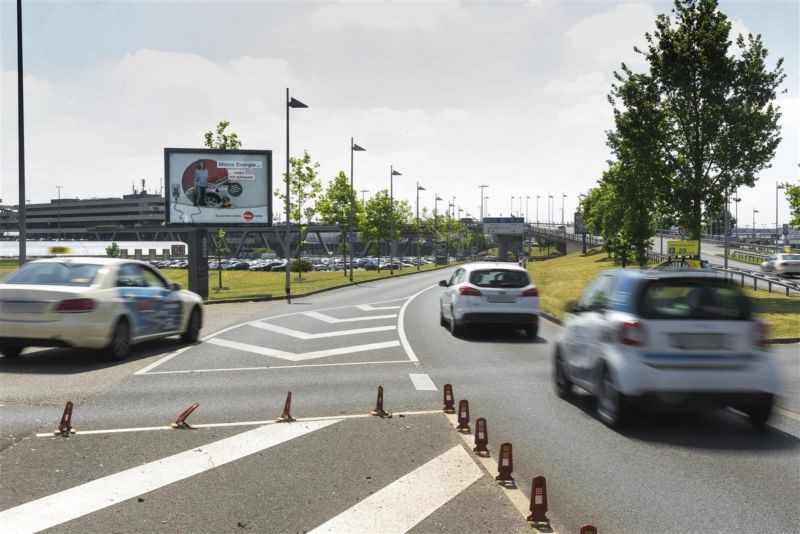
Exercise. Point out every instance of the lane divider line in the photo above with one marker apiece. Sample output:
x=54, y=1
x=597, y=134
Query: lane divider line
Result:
x=70, y=504
x=786, y=413
x=408, y=500
x=306, y=335
x=401, y=325
x=422, y=382
x=233, y=424
x=264, y=351
x=270, y=367
x=333, y=320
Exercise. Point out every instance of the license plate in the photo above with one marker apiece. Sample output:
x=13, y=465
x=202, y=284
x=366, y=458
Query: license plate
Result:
x=699, y=341
x=502, y=298
x=18, y=306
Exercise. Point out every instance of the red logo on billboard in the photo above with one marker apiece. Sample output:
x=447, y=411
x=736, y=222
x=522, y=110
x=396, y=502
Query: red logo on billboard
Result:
x=248, y=216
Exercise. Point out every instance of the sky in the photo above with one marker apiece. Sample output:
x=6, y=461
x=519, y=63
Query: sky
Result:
x=454, y=95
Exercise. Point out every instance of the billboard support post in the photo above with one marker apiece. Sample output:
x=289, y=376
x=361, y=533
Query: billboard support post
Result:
x=197, y=239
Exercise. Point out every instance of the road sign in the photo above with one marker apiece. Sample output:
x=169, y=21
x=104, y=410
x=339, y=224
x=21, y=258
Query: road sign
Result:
x=683, y=248
x=785, y=229
x=178, y=250
x=59, y=250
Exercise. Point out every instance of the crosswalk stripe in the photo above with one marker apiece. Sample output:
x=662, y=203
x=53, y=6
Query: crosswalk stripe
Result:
x=333, y=320
x=408, y=500
x=264, y=351
x=103, y=492
x=422, y=382
x=305, y=335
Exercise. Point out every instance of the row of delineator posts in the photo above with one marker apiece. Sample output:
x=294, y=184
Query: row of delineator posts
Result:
x=505, y=464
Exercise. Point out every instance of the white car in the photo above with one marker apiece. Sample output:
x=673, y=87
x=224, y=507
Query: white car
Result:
x=680, y=339
x=782, y=264
x=93, y=303
x=490, y=293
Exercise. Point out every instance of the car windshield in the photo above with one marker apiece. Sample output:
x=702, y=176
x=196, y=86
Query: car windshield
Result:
x=693, y=299
x=55, y=274
x=499, y=278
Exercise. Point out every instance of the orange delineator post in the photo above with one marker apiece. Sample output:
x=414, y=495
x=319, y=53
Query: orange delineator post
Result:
x=180, y=422
x=65, y=425
x=463, y=417
x=505, y=465
x=449, y=406
x=286, y=416
x=588, y=529
x=538, y=500
x=481, y=437
x=379, y=411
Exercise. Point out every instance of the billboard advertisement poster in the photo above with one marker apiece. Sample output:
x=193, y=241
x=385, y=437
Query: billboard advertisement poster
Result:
x=683, y=248
x=218, y=187
x=504, y=225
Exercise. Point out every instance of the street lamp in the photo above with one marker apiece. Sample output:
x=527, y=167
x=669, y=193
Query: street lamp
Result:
x=290, y=103
x=436, y=222
x=392, y=174
x=59, y=212
x=754, y=222
x=486, y=205
x=563, y=196
x=737, y=200
x=482, y=187
x=549, y=210
x=353, y=148
x=537, y=208
x=777, y=231
x=511, y=213
x=419, y=188
x=363, y=191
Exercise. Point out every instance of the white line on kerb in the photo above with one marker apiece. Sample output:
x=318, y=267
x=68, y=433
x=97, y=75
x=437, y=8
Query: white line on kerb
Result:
x=270, y=368
x=408, y=500
x=103, y=492
x=401, y=325
x=422, y=382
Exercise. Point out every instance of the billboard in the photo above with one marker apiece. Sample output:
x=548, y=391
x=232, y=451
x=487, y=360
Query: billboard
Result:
x=683, y=248
x=218, y=187
x=503, y=225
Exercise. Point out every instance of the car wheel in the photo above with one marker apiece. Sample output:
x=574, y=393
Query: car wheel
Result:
x=612, y=408
x=561, y=381
x=532, y=332
x=11, y=351
x=454, y=328
x=759, y=413
x=119, y=347
x=193, y=328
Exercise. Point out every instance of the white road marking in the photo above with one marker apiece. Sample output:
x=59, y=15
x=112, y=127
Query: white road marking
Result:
x=408, y=500
x=786, y=413
x=76, y=502
x=270, y=367
x=422, y=382
x=401, y=325
x=367, y=307
x=305, y=335
x=232, y=424
x=264, y=351
x=333, y=320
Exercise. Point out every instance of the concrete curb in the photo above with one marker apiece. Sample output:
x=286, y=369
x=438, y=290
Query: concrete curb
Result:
x=551, y=318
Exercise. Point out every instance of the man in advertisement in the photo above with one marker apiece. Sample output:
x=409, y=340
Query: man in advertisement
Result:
x=200, y=183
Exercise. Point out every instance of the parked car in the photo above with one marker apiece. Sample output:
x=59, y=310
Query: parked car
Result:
x=95, y=303
x=670, y=339
x=490, y=293
x=782, y=264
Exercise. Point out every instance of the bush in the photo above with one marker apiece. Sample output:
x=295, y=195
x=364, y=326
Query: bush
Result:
x=302, y=266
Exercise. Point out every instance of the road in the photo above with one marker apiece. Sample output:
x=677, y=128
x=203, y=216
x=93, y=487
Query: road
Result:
x=338, y=468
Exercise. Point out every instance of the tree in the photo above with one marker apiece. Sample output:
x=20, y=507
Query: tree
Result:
x=222, y=140
x=112, y=250
x=792, y=193
x=713, y=119
x=377, y=217
x=334, y=206
x=304, y=187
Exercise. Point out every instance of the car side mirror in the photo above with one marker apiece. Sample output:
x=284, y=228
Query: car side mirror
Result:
x=443, y=283
x=174, y=286
x=572, y=306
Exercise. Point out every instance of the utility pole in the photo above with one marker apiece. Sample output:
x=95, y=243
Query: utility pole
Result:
x=482, y=187
x=59, y=213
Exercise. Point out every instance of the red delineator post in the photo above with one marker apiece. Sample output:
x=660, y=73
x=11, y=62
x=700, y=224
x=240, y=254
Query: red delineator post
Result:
x=65, y=426
x=180, y=422
x=463, y=417
x=379, y=411
x=505, y=465
x=286, y=416
x=538, y=500
x=449, y=406
x=481, y=438
x=588, y=529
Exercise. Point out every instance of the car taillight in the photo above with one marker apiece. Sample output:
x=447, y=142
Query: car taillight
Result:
x=469, y=291
x=75, y=305
x=781, y=263
x=632, y=333
x=761, y=337
x=530, y=293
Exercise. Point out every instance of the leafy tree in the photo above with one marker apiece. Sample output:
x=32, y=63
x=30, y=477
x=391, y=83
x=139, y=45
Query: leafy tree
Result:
x=113, y=250
x=377, y=217
x=335, y=204
x=222, y=140
x=304, y=187
x=259, y=251
x=711, y=114
x=792, y=192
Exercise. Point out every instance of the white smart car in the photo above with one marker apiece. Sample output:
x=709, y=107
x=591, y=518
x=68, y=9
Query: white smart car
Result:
x=680, y=339
x=94, y=303
x=490, y=293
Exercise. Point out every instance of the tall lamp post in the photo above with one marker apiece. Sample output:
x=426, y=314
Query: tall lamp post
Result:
x=482, y=187
x=392, y=174
x=549, y=209
x=511, y=212
x=737, y=200
x=777, y=230
x=754, y=223
x=352, y=194
x=290, y=103
x=59, y=212
x=21, y=210
x=436, y=200
x=563, y=196
x=419, y=188
x=537, y=208
x=363, y=192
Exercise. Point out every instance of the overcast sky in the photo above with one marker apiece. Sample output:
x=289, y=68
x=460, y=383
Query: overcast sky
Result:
x=453, y=94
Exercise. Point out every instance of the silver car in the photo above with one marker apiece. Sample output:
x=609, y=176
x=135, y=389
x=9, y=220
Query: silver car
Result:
x=782, y=264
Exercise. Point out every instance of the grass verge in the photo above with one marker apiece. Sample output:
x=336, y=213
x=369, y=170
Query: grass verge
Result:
x=563, y=279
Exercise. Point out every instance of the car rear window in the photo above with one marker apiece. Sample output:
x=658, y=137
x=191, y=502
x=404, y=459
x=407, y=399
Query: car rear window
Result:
x=499, y=278
x=790, y=257
x=693, y=299
x=55, y=274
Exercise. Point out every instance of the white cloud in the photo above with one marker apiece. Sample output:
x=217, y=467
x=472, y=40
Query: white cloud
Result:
x=611, y=36
x=385, y=16
x=593, y=82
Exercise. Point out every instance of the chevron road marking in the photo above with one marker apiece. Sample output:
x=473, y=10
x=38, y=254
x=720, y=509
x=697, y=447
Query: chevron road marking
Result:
x=263, y=351
x=76, y=502
x=411, y=498
x=333, y=320
x=367, y=307
x=305, y=335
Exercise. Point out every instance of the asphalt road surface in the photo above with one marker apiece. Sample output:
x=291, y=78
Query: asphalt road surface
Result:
x=340, y=469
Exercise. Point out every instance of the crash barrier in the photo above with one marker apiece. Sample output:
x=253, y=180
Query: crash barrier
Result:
x=449, y=406
x=538, y=500
x=180, y=422
x=481, y=437
x=505, y=466
x=65, y=425
x=286, y=416
x=463, y=417
x=379, y=411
